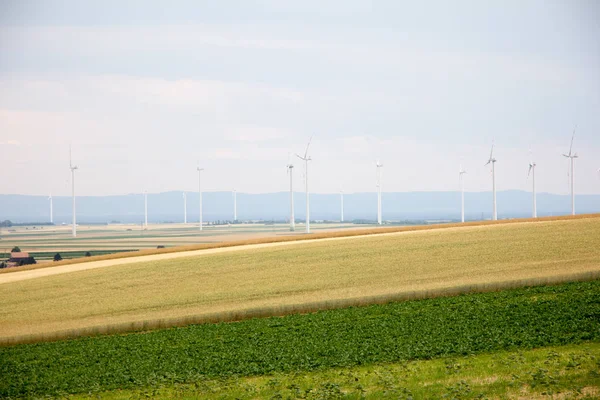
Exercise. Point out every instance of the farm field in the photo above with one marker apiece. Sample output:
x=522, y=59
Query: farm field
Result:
x=298, y=277
x=132, y=237
x=326, y=231
x=372, y=338
x=569, y=371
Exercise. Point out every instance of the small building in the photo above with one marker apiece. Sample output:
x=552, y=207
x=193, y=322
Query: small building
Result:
x=20, y=258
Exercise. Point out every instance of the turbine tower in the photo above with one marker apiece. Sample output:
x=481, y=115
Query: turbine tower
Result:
x=461, y=178
x=493, y=161
x=531, y=172
x=306, y=159
x=51, y=209
x=234, y=205
x=184, y=208
x=378, y=184
x=73, y=168
x=200, y=192
x=145, y=209
x=572, y=157
x=341, y=206
x=290, y=172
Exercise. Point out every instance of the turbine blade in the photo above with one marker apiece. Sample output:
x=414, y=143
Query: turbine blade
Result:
x=306, y=152
x=529, y=171
x=572, y=137
x=530, y=157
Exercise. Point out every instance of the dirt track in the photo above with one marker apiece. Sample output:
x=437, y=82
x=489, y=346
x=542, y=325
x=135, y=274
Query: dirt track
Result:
x=64, y=269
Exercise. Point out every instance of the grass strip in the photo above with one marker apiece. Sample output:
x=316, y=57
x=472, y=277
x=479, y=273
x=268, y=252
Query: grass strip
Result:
x=453, y=326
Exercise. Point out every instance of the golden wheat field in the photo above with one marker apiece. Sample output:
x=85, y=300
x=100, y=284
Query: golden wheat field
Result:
x=237, y=236
x=331, y=273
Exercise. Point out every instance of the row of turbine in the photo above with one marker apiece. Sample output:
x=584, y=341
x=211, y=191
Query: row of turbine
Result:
x=572, y=156
x=306, y=158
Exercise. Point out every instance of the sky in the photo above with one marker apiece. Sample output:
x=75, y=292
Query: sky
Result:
x=145, y=91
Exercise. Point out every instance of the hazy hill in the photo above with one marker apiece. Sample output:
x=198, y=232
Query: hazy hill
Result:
x=168, y=206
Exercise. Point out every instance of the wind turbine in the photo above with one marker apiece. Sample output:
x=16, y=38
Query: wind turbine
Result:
x=145, y=209
x=184, y=208
x=493, y=161
x=306, y=159
x=531, y=171
x=51, y=209
x=342, y=206
x=461, y=172
x=290, y=172
x=234, y=205
x=572, y=157
x=73, y=168
x=378, y=184
x=200, y=192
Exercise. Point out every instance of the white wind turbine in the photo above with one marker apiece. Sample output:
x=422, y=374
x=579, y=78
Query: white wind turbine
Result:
x=461, y=178
x=306, y=159
x=200, y=192
x=378, y=184
x=493, y=161
x=184, y=208
x=145, y=209
x=531, y=172
x=73, y=168
x=234, y=205
x=51, y=209
x=572, y=174
x=341, y=206
x=290, y=172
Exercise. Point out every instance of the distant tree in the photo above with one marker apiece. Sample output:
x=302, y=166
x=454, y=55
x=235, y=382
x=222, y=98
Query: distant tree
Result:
x=15, y=249
x=7, y=223
x=57, y=257
x=27, y=261
x=88, y=254
x=3, y=265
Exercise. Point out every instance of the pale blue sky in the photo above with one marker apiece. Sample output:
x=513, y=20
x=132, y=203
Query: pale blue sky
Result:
x=144, y=89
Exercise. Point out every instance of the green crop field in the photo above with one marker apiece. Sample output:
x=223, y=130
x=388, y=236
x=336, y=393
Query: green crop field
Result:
x=569, y=372
x=298, y=277
x=66, y=255
x=454, y=327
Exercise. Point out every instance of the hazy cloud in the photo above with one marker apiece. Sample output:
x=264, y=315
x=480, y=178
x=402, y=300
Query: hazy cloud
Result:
x=143, y=93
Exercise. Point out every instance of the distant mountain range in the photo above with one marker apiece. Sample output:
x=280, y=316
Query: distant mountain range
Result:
x=168, y=206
